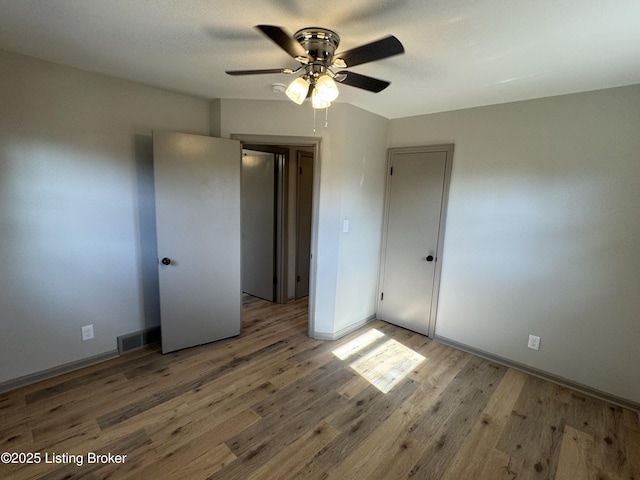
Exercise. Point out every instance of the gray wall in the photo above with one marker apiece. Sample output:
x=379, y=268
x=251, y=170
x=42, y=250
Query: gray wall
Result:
x=542, y=227
x=352, y=166
x=77, y=226
x=543, y=233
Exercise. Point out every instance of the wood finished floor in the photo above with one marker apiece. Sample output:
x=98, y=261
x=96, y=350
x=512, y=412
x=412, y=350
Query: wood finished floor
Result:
x=275, y=404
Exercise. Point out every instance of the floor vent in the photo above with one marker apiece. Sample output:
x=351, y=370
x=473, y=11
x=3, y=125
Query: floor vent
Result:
x=137, y=340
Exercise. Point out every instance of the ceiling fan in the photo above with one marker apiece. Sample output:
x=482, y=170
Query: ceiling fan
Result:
x=320, y=67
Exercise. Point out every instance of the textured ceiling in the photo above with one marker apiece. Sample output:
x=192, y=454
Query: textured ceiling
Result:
x=459, y=53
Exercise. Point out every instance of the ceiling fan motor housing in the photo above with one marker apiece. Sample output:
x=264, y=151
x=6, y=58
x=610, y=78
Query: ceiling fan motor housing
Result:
x=319, y=43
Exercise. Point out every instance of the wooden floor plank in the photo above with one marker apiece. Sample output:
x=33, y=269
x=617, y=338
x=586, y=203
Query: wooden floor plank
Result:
x=359, y=419
x=444, y=443
x=274, y=403
x=386, y=452
x=133, y=409
x=477, y=447
x=533, y=432
x=285, y=464
x=498, y=466
x=264, y=439
x=576, y=456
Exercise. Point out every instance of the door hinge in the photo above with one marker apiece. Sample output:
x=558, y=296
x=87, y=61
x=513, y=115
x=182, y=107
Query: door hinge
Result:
x=391, y=172
x=298, y=278
x=381, y=296
x=275, y=280
x=300, y=171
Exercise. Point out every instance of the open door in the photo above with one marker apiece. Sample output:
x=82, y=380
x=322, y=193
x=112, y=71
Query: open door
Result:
x=258, y=201
x=197, y=188
x=264, y=200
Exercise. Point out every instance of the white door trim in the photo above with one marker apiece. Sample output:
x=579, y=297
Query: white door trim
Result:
x=293, y=141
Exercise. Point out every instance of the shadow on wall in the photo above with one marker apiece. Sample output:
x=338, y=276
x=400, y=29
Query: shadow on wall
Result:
x=148, y=245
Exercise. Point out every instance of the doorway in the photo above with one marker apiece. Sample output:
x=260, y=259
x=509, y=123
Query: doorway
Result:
x=295, y=218
x=263, y=206
x=304, y=208
x=209, y=256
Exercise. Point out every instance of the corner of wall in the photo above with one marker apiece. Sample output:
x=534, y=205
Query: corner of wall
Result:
x=215, y=118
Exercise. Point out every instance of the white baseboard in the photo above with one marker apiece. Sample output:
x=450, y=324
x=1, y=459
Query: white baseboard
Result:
x=345, y=331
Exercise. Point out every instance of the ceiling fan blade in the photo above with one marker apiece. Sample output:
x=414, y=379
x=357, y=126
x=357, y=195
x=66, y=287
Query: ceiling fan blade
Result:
x=362, y=81
x=284, y=41
x=383, y=48
x=259, y=72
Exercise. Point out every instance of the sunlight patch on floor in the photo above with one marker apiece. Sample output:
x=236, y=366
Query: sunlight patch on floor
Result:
x=384, y=365
x=358, y=344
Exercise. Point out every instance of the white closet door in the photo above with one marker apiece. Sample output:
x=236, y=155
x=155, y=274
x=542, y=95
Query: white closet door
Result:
x=414, y=210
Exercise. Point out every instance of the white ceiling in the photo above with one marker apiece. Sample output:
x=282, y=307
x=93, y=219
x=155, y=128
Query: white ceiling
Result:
x=459, y=53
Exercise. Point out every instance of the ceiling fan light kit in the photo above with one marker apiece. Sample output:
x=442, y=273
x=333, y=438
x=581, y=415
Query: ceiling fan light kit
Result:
x=314, y=48
x=326, y=88
x=317, y=101
x=298, y=89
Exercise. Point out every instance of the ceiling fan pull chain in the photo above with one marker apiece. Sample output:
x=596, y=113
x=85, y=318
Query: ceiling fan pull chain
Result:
x=314, y=121
x=326, y=117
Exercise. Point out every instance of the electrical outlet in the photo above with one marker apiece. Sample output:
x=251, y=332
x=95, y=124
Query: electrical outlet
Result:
x=534, y=342
x=87, y=332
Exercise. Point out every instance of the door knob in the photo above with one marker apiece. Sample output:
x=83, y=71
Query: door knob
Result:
x=166, y=261
x=429, y=258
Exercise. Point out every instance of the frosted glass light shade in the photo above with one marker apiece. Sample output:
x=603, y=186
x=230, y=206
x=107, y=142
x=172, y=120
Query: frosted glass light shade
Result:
x=297, y=90
x=317, y=101
x=327, y=88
